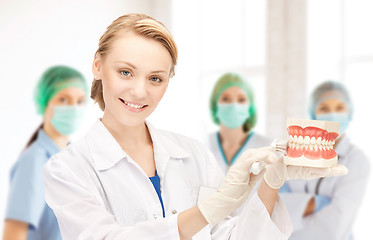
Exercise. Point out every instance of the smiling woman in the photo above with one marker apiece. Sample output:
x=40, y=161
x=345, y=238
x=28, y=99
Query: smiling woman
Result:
x=128, y=180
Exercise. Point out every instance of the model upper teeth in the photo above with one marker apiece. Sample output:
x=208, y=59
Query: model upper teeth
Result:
x=307, y=140
x=133, y=105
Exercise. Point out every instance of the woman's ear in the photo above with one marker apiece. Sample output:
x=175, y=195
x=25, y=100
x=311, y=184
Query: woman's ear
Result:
x=96, y=67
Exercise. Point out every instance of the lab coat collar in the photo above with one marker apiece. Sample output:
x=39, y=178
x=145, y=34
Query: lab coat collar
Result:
x=164, y=145
x=106, y=151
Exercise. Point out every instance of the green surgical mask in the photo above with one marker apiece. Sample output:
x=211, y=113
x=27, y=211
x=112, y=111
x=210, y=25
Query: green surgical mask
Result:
x=233, y=115
x=66, y=119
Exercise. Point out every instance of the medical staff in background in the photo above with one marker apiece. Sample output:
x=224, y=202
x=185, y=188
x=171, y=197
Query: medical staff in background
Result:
x=325, y=208
x=60, y=98
x=232, y=107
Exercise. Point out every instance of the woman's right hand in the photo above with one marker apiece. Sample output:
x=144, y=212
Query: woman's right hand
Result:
x=236, y=187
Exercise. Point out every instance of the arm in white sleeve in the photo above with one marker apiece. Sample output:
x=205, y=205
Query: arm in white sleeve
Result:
x=335, y=221
x=254, y=222
x=81, y=215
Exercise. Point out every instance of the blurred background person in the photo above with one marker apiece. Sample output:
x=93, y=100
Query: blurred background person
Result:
x=232, y=107
x=60, y=97
x=326, y=208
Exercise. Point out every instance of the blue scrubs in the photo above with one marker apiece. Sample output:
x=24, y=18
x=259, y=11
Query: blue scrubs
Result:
x=237, y=154
x=26, y=196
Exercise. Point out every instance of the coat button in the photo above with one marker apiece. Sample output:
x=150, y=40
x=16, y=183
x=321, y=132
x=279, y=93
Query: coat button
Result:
x=174, y=211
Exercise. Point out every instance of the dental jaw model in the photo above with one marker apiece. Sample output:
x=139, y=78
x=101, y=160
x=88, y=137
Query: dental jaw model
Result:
x=311, y=143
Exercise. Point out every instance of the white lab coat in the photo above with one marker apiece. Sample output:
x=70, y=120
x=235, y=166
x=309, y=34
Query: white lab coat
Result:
x=255, y=141
x=335, y=221
x=98, y=192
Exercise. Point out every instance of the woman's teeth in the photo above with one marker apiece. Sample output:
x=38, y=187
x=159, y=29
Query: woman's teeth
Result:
x=133, y=105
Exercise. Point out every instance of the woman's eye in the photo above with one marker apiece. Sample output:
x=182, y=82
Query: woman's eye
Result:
x=242, y=100
x=63, y=100
x=155, y=79
x=125, y=73
x=225, y=99
x=341, y=108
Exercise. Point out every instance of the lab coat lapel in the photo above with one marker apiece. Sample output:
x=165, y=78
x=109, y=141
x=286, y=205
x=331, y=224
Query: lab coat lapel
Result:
x=175, y=185
x=127, y=191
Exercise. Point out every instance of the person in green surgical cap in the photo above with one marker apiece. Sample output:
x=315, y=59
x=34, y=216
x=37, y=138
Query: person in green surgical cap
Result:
x=232, y=107
x=60, y=98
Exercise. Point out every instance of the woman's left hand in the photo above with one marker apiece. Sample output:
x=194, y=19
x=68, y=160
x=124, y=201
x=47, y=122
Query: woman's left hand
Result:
x=278, y=172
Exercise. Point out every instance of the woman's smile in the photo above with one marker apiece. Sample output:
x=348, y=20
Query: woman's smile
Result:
x=132, y=106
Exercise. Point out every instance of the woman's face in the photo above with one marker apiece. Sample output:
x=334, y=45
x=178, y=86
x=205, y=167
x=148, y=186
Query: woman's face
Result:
x=135, y=75
x=66, y=97
x=233, y=95
x=332, y=105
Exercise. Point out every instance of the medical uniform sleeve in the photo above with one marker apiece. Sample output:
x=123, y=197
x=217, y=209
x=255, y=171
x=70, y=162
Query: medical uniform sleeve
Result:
x=254, y=222
x=26, y=197
x=335, y=221
x=81, y=216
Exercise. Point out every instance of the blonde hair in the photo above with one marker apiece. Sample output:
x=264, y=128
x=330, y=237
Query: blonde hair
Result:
x=140, y=24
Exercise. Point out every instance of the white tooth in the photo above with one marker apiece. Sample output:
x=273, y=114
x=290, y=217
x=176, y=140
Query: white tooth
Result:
x=297, y=146
x=291, y=138
x=318, y=141
x=300, y=140
x=313, y=140
x=320, y=147
x=295, y=138
x=333, y=142
x=307, y=140
x=323, y=142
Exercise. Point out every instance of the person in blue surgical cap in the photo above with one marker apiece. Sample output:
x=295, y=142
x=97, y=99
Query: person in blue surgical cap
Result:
x=326, y=208
x=60, y=98
x=232, y=107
